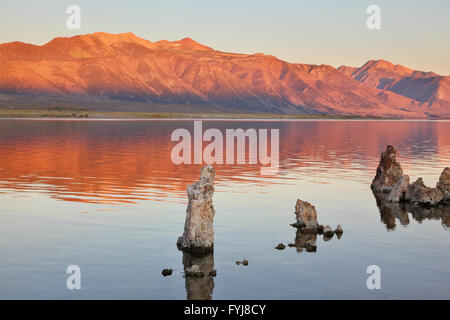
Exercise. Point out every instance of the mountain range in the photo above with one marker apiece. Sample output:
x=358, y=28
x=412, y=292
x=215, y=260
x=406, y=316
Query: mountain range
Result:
x=125, y=67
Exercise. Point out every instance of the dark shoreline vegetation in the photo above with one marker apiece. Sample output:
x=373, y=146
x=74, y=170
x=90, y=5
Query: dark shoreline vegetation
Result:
x=34, y=106
x=77, y=114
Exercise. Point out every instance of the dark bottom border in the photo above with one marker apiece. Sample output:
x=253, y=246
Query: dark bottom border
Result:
x=226, y=309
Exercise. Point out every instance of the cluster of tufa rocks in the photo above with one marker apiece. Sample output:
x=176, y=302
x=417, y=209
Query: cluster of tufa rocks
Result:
x=391, y=185
x=307, y=221
x=198, y=236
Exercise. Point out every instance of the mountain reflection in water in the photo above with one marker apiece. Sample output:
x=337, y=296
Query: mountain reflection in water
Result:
x=118, y=162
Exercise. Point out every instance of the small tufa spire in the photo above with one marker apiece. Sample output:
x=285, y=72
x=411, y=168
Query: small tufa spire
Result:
x=198, y=233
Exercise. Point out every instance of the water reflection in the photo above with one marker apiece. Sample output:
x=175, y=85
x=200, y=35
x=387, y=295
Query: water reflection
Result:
x=199, y=275
x=305, y=241
x=129, y=161
x=391, y=212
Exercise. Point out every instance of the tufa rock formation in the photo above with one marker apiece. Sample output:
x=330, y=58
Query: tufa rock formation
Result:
x=198, y=233
x=419, y=193
x=390, y=182
x=308, y=228
x=306, y=217
x=391, y=185
x=307, y=220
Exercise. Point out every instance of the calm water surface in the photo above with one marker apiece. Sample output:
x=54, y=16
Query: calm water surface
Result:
x=106, y=196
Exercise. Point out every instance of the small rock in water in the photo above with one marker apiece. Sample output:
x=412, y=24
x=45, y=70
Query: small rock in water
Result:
x=328, y=232
x=291, y=245
x=280, y=246
x=167, y=272
x=339, y=229
x=243, y=262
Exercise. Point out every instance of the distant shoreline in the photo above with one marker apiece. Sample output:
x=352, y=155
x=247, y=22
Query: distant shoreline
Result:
x=122, y=115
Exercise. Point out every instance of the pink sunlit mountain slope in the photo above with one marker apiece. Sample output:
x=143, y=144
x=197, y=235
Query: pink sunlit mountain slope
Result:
x=125, y=67
x=429, y=89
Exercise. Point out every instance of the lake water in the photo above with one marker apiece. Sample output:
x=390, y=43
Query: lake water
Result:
x=105, y=195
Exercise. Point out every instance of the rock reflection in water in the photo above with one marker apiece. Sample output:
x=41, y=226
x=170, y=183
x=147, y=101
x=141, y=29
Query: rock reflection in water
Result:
x=390, y=212
x=305, y=241
x=199, y=275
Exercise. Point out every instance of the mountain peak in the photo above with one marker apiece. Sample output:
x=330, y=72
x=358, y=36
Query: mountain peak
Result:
x=379, y=63
x=186, y=43
x=423, y=87
x=97, y=38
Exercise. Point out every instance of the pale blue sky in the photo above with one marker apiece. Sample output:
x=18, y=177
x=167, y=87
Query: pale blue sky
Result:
x=414, y=33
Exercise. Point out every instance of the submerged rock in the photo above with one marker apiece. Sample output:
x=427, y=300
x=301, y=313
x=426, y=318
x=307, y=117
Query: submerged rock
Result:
x=280, y=246
x=198, y=233
x=167, y=272
x=306, y=216
x=243, y=262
